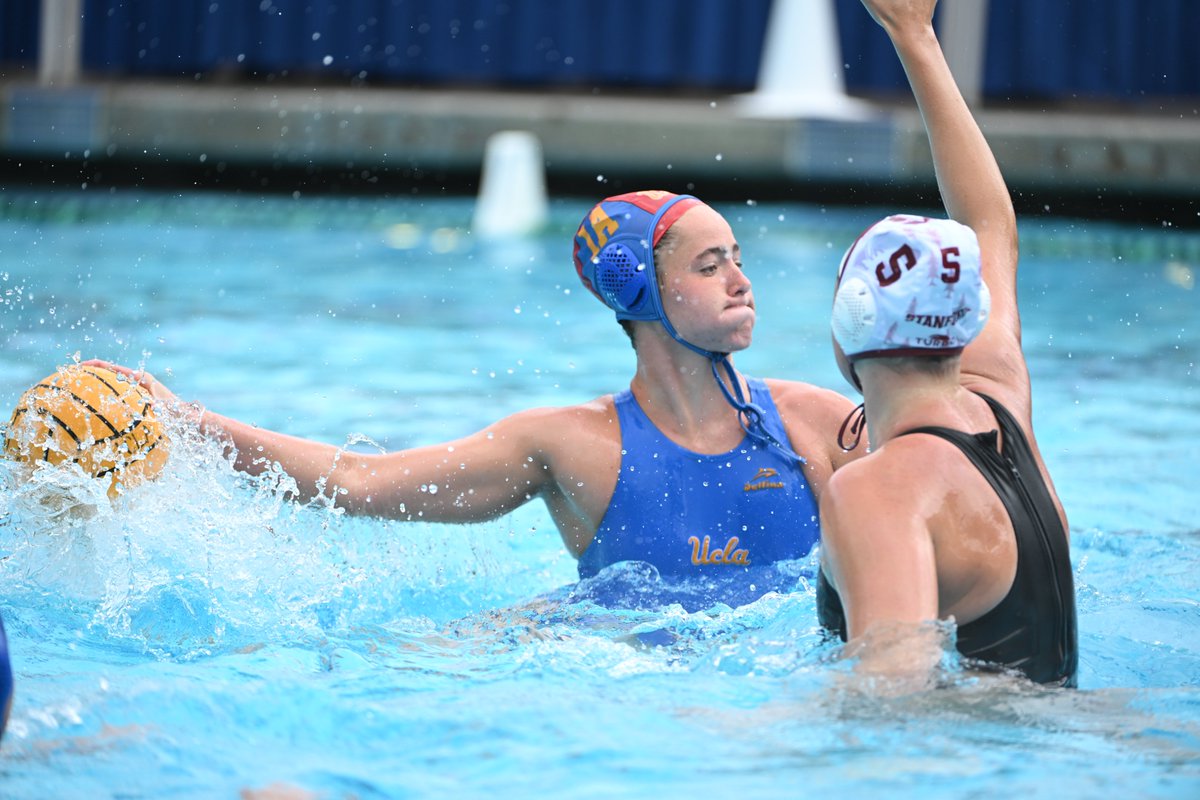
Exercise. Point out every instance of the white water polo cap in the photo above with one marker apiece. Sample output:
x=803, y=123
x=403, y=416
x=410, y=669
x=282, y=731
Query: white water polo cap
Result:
x=910, y=286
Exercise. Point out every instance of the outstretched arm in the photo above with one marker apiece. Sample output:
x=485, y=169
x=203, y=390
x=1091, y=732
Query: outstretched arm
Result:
x=472, y=479
x=971, y=185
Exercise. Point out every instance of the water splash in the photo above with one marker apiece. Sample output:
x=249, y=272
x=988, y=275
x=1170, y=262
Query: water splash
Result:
x=204, y=559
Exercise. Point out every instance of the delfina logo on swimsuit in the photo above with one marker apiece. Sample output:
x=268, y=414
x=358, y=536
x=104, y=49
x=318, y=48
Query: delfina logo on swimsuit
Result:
x=762, y=480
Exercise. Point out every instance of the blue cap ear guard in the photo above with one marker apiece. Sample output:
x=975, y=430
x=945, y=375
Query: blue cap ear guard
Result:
x=621, y=279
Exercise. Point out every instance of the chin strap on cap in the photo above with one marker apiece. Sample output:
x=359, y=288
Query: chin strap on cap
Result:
x=750, y=415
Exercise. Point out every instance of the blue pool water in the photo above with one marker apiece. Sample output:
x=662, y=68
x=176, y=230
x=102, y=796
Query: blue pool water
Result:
x=202, y=636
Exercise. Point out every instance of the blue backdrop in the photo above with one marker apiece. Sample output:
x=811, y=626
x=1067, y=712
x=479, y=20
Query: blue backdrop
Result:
x=1036, y=51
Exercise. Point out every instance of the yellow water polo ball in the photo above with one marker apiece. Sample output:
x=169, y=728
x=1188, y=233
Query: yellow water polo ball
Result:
x=92, y=417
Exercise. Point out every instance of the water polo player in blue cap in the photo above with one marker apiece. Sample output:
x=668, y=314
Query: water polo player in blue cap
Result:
x=952, y=514
x=694, y=469
x=711, y=474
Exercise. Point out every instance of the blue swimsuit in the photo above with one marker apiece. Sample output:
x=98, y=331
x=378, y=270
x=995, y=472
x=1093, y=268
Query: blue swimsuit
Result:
x=690, y=514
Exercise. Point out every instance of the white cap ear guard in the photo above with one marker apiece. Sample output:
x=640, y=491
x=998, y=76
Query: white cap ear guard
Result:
x=853, y=315
x=910, y=286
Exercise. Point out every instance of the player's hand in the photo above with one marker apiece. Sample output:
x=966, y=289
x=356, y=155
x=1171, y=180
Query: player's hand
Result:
x=157, y=390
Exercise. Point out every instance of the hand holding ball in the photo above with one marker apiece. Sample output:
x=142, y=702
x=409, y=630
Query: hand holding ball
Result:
x=92, y=417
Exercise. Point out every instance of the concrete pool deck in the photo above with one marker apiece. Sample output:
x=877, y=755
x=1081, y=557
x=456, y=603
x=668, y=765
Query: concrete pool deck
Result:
x=1118, y=165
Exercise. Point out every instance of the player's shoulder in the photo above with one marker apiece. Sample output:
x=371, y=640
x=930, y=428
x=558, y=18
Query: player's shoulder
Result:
x=879, y=485
x=813, y=415
x=901, y=464
x=561, y=422
x=808, y=398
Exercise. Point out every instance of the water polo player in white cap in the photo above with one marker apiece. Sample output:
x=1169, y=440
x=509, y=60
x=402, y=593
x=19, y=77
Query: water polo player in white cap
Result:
x=952, y=514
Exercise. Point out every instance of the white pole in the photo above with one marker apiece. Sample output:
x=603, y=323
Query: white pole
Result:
x=964, y=35
x=800, y=74
x=61, y=42
x=512, y=192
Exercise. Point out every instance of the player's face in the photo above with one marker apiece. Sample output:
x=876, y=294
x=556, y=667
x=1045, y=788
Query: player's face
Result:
x=705, y=293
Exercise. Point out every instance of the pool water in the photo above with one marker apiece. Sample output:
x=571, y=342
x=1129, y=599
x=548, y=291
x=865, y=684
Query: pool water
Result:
x=203, y=635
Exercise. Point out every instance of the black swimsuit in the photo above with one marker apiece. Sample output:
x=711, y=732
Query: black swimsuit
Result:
x=1033, y=629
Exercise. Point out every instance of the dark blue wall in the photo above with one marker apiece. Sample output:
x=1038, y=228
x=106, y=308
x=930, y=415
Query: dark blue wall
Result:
x=630, y=43
x=1115, y=49
x=18, y=32
x=1036, y=51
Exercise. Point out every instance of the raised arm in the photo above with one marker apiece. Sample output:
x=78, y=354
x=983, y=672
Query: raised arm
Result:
x=970, y=182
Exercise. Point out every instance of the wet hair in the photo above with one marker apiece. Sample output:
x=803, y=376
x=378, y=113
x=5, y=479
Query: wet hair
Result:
x=665, y=242
x=934, y=366
x=627, y=326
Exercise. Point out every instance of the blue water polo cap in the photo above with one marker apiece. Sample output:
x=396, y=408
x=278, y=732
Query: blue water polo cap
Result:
x=614, y=250
x=6, y=681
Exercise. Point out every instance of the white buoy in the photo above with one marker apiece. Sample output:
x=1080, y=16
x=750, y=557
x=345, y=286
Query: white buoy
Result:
x=800, y=74
x=512, y=189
